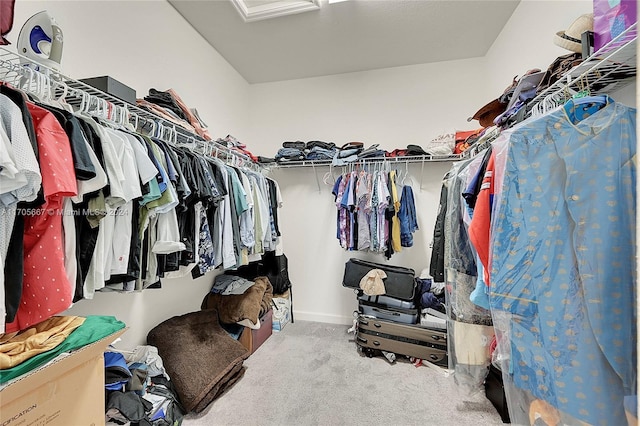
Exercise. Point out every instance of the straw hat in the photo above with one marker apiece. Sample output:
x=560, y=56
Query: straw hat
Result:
x=571, y=39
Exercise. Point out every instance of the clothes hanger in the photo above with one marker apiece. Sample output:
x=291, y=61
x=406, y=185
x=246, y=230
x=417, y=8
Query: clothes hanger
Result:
x=174, y=132
x=406, y=172
x=62, y=97
x=407, y=176
x=33, y=86
x=43, y=88
x=580, y=106
x=328, y=175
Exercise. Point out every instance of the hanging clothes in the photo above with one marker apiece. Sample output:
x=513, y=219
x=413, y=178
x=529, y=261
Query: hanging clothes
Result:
x=46, y=287
x=369, y=212
x=565, y=289
x=112, y=209
x=21, y=183
x=407, y=217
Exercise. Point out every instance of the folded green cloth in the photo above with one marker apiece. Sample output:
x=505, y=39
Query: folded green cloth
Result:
x=93, y=329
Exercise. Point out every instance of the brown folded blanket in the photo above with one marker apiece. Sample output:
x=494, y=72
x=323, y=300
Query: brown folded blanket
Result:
x=201, y=358
x=251, y=304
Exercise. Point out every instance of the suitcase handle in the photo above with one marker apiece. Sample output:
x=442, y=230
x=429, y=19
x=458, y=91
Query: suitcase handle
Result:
x=360, y=339
x=395, y=314
x=436, y=337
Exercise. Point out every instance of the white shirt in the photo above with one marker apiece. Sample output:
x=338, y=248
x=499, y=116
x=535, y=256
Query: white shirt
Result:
x=10, y=177
x=115, y=174
x=126, y=157
x=146, y=168
x=23, y=156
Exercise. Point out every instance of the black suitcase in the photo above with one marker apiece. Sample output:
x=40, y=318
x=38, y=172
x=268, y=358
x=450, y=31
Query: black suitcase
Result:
x=410, y=340
x=400, y=282
x=391, y=313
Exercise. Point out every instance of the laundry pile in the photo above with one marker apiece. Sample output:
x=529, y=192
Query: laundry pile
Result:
x=139, y=390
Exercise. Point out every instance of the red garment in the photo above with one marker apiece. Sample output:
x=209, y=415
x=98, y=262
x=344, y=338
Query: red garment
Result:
x=191, y=116
x=466, y=138
x=397, y=153
x=46, y=290
x=479, y=228
x=463, y=135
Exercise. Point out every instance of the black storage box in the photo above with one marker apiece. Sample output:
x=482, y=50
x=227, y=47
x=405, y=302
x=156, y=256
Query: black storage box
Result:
x=112, y=87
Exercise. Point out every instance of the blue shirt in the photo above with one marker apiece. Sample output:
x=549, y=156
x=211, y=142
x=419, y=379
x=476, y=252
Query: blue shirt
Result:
x=563, y=261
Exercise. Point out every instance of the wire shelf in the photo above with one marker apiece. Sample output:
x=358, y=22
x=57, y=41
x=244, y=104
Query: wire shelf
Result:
x=374, y=160
x=28, y=75
x=610, y=69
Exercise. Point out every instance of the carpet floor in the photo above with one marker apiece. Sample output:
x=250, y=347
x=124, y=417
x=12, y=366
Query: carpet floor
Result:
x=312, y=374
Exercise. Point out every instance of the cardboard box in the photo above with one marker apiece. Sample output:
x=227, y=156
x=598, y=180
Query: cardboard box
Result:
x=281, y=313
x=69, y=390
x=253, y=339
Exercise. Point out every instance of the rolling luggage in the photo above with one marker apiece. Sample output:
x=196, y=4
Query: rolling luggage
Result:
x=391, y=313
x=400, y=282
x=388, y=301
x=410, y=340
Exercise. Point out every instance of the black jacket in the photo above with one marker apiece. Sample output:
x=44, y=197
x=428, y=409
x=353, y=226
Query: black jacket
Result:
x=436, y=268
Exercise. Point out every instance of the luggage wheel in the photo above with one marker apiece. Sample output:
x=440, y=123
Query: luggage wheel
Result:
x=370, y=353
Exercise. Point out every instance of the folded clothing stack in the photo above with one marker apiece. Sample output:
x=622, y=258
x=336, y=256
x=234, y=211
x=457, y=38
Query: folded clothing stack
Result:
x=347, y=153
x=172, y=107
x=291, y=151
x=235, y=145
x=312, y=150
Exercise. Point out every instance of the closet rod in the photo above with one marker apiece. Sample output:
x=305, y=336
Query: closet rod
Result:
x=14, y=66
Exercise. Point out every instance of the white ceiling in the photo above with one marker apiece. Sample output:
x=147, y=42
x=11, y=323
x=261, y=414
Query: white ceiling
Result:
x=346, y=36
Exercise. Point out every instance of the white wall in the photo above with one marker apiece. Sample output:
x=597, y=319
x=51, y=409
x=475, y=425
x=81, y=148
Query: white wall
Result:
x=146, y=44
x=392, y=107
